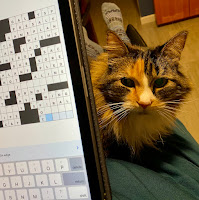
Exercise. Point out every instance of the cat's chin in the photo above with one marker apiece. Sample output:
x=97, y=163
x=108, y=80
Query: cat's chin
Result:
x=144, y=127
x=141, y=111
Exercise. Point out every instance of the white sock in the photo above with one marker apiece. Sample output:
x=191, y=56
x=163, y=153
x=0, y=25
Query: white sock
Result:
x=92, y=48
x=114, y=21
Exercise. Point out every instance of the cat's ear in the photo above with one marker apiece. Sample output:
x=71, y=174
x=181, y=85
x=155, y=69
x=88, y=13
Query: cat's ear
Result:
x=115, y=46
x=174, y=47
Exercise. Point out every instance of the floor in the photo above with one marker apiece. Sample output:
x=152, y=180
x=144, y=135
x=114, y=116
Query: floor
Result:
x=154, y=36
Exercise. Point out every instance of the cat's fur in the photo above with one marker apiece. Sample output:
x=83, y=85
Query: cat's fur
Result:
x=142, y=114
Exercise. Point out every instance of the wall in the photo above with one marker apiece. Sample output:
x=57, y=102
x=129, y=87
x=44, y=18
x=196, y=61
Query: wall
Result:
x=146, y=7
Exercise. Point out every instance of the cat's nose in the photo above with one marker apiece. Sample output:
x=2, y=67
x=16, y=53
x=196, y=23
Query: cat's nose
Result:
x=144, y=105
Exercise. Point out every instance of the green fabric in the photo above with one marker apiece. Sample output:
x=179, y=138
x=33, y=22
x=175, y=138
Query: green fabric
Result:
x=170, y=173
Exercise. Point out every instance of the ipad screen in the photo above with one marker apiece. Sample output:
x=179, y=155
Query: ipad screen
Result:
x=41, y=155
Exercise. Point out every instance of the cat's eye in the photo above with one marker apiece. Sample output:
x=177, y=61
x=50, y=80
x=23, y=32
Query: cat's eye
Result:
x=128, y=82
x=161, y=82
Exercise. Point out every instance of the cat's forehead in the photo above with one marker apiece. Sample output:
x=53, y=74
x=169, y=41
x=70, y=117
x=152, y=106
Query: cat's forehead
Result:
x=148, y=60
x=144, y=53
x=138, y=69
x=145, y=61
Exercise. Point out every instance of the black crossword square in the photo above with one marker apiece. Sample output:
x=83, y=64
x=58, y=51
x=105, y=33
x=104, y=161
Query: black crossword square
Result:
x=39, y=97
x=1, y=124
x=31, y=15
x=37, y=52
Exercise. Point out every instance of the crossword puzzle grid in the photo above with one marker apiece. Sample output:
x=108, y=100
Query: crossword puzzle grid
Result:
x=33, y=80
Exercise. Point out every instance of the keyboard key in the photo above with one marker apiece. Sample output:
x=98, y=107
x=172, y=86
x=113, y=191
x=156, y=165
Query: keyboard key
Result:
x=16, y=182
x=1, y=170
x=55, y=179
x=74, y=178
x=21, y=168
x=61, y=193
x=10, y=194
x=34, y=194
x=76, y=164
x=47, y=193
x=34, y=167
x=62, y=165
x=9, y=169
x=48, y=166
x=4, y=183
x=22, y=195
x=28, y=181
x=1, y=195
x=42, y=180
x=78, y=192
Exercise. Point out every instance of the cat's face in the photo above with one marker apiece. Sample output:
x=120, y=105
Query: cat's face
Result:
x=141, y=86
x=139, y=89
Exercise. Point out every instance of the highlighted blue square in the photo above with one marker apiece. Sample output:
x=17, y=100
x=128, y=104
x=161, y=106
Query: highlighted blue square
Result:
x=49, y=117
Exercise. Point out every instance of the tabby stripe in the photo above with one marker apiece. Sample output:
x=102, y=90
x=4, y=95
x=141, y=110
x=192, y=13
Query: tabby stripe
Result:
x=146, y=60
x=157, y=69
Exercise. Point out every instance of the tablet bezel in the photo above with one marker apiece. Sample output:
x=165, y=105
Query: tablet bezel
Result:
x=91, y=154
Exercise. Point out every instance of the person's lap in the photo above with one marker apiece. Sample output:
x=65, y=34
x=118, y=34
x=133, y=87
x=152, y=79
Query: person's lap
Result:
x=172, y=172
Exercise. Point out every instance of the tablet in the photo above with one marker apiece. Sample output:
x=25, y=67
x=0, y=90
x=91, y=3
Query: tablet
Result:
x=49, y=139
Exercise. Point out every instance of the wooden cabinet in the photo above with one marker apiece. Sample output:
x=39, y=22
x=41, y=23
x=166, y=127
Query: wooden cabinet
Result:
x=194, y=7
x=174, y=10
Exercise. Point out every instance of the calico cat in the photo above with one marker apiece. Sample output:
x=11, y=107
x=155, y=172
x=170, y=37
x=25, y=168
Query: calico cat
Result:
x=138, y=91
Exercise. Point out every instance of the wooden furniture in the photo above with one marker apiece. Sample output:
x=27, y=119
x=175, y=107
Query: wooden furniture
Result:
x=194, y=7
x=168, y=11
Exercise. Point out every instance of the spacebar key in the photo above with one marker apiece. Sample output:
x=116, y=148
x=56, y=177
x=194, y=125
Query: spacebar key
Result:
x=76, y=178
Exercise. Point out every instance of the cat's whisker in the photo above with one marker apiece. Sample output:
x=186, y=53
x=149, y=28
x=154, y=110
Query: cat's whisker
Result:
x=126, y=112
x=170, y=115
x=105, y=119
x=121, y=115
x=166, y=116
x=178, y=127
x=170, y=112
x=174, y=109
x=181, y=101
x=105, y=125
x=171, y=102
x=190, y=101
x=117, y=114
x=110, y=104
x=102, y=109
x=171, y=108
x=177, y=100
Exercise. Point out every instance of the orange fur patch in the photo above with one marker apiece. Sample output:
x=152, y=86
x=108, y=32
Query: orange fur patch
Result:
x=137, y=74
x=138, y=69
